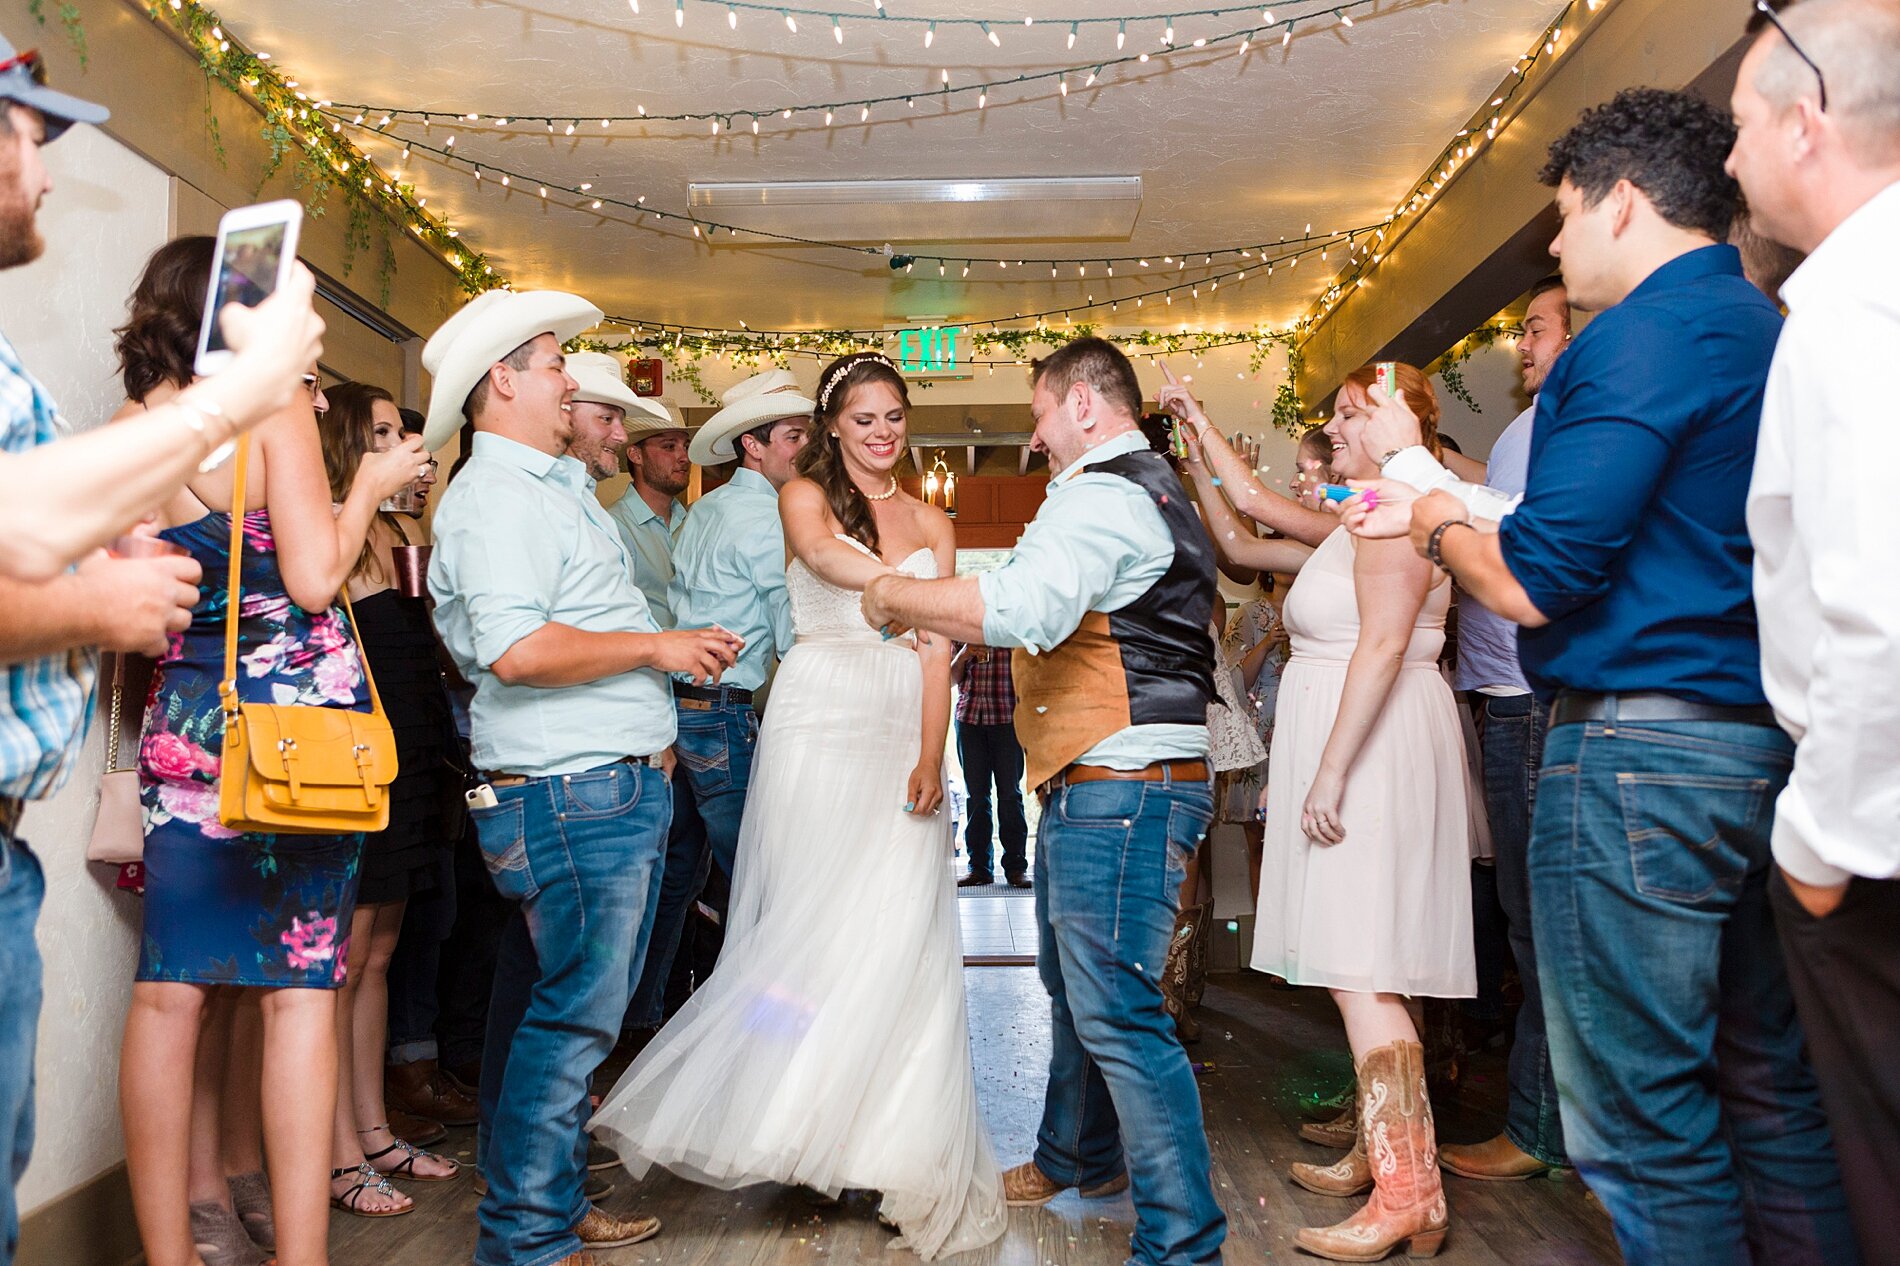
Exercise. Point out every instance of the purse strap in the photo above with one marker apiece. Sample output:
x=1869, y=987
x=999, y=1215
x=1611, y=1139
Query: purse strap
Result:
x=227, y=688
x=113, y=718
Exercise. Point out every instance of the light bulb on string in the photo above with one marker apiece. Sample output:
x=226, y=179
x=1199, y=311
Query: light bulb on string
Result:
x=679, y=12
x=930, y=35
x=791, y=23
x=1345, y=19
x=732, y=17
x=1287, y=38
x=837, y=29
x=1072, y=34
x=1121, y=33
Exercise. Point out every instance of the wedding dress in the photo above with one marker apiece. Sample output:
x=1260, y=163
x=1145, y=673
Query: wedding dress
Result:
x=830, y=1048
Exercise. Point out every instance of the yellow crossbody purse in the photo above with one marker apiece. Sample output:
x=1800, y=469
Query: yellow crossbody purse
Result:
x=295, y=769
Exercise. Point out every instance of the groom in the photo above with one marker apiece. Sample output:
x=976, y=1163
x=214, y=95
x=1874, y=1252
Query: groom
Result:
x=1107, y=597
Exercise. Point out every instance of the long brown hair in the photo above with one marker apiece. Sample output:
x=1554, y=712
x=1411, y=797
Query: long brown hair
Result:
x=822, y=461
x=1419, y=398
x=348, y=431
x=160, y=335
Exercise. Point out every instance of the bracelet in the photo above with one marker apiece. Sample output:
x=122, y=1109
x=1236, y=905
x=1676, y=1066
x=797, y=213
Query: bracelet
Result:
x=1437, y=537
x=1389, y=454
x=196, y=415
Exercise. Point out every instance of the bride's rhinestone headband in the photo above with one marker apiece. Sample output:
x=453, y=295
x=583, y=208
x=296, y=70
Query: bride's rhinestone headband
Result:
x=846, y=366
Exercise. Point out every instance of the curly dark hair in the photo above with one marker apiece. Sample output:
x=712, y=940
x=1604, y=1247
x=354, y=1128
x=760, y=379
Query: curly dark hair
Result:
x=1670, y=145
x=822, y=462
x=160, y=335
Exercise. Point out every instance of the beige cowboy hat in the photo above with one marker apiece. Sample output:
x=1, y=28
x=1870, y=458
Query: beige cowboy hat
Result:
x=603, y=381
x=488, y=327
x=767, y=397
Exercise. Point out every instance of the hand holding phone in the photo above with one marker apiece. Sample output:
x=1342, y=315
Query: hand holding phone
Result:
x=255, y=253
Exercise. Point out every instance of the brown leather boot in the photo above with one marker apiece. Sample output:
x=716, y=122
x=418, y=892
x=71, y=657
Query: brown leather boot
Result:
x=1494, y=1160
x=1348, y=1176
x=1184, y=974
x=421, y=1090
x=414, y=1130
x=1341, y=1131
x=1026, y=1186
x=1408, y=1201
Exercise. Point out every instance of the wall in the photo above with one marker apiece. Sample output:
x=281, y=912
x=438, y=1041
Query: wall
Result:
x=108, y=211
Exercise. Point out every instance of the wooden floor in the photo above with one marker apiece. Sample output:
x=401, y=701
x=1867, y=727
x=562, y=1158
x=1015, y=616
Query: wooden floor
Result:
x=1271, y=1055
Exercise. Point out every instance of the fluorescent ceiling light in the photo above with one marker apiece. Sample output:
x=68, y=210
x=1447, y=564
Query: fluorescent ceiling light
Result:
x=839, y=193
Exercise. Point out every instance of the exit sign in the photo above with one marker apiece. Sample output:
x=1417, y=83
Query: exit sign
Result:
x=933, y=351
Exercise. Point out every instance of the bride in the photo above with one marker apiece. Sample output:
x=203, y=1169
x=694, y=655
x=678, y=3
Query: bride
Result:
x=830, y=1048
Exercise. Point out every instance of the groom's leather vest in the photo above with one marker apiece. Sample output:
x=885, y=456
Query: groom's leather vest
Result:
x=1150, y=663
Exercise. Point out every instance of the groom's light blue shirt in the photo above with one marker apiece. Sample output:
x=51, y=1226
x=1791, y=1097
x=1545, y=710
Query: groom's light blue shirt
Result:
x=521, y=543
x=1097, y=544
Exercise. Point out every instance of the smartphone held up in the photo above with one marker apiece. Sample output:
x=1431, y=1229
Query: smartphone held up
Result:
x=255, y=252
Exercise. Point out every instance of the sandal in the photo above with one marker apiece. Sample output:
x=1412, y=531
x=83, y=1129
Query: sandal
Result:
x=405, y=1168
x=368, y=1180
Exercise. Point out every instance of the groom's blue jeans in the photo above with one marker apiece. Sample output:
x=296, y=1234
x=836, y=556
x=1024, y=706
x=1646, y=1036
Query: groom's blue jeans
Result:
x=580, y=854
x=1121, y=1091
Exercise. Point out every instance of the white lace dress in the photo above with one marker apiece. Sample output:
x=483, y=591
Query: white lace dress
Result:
x=830, y=1047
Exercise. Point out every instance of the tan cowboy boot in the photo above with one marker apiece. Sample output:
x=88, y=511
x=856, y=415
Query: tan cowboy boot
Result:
x=1180, y=990
x=1408, y=1201
x=1341, y=1131
x=1348, y=1176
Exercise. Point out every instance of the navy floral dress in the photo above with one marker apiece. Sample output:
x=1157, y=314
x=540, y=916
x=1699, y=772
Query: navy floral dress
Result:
x=223, y=907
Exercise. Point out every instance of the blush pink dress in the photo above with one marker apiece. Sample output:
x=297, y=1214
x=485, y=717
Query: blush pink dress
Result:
x=1389, y=908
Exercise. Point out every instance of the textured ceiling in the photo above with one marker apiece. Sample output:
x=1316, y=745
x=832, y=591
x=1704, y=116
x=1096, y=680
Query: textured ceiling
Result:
x=1231, y=148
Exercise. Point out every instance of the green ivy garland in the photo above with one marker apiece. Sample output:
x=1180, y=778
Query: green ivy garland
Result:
x=323, y=163
x=68, y=18
x=1450, y=366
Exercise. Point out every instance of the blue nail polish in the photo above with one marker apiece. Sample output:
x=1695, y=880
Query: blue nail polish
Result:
x=911, y=807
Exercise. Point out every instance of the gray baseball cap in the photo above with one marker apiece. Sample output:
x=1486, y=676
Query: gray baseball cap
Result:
x=23, y=80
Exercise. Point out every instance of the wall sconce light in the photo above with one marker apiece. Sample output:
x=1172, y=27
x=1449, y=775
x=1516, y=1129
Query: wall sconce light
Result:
x=940, y=487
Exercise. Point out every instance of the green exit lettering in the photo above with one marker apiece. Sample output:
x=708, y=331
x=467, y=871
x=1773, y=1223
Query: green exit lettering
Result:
x=926, y=351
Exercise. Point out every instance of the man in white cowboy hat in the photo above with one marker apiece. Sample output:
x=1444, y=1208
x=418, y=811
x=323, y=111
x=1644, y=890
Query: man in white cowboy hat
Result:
x=729, y=572
x=651, y=514
x=572, y=732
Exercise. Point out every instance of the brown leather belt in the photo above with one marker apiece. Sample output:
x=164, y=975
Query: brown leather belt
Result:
x=518, y=780
x=1161, y=771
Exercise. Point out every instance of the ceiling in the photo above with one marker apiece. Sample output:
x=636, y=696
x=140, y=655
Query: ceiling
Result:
x=1231, y=148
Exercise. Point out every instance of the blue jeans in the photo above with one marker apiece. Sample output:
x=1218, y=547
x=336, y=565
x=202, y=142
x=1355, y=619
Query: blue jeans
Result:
x=715, y=747
x=415, y=968
x=1512, y=746
x=1121, y=1092
x=1688, y=1103
x=990, y=754
x=22, y=886
x=688, y=861
x=580, y=854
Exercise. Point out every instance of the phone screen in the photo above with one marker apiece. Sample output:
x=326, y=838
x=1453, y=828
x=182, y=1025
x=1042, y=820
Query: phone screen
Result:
x=247, y=272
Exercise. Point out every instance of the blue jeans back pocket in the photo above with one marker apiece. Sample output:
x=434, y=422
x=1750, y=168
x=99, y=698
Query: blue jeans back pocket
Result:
x=1684, y=831
x=502, y=834
x=703, y=748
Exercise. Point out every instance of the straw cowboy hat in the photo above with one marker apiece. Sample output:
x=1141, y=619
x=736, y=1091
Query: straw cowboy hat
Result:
x=767, y=397
x=600, y=377
x=488, y=327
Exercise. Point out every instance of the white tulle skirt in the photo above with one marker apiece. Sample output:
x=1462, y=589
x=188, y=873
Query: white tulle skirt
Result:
x=830, y=1047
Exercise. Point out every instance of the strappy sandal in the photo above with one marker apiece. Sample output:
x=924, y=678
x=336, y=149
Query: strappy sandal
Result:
x=369, y=1180
x=405, y=1168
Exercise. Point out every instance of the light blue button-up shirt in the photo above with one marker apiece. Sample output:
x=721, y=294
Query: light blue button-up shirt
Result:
x=1097, y=544
x=1487, y=642
x=651, y=540
x=729, y=570
x=520, y=543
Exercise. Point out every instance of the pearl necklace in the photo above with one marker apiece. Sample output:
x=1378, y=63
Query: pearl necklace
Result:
x=886, y=495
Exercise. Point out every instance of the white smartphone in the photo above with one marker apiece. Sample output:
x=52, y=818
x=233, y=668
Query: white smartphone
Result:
x=256, y=248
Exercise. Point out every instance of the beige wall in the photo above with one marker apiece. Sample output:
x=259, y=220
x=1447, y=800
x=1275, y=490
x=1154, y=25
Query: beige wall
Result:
x=107, y=213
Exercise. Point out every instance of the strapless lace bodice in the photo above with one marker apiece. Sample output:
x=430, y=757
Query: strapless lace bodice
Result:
x=822, y=609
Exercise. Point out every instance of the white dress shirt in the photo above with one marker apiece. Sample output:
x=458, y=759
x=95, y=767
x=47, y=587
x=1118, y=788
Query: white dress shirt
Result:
x=1827, y=552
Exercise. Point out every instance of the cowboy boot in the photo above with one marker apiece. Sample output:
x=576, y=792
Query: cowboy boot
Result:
x=1341, y=1131
x=1408, y=1202
x=1348, y=1176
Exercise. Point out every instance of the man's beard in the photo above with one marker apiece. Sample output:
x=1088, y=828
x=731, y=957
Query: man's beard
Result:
x=671, y=485
x=20, y=240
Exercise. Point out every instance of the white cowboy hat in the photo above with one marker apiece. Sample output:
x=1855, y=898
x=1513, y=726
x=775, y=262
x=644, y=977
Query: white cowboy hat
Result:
x=762, y=398
x=486, y=328
x=602, y=382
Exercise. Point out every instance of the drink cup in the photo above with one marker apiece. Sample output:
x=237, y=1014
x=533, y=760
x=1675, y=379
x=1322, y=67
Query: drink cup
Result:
x=412, y=569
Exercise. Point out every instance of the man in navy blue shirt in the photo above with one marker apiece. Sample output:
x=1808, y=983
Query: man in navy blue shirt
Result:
x=1627, y=562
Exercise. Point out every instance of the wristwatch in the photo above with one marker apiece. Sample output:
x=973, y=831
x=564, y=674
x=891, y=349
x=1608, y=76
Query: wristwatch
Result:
x=1438, y=535
x=1389, y=454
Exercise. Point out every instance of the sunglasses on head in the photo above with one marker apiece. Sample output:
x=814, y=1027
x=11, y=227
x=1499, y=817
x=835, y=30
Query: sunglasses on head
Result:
x=30, y=62
x=1767, y=11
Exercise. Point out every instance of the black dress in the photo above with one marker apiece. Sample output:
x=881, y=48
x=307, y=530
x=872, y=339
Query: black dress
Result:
x=403, y=860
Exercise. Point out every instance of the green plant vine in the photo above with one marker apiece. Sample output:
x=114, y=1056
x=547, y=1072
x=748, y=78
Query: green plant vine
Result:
x=1450, y=366
x=69, y=19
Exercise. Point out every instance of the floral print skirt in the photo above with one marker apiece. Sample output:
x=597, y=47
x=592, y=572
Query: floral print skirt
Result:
x=222, y=908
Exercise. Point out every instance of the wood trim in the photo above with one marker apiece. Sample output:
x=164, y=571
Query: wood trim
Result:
x=91, y=1225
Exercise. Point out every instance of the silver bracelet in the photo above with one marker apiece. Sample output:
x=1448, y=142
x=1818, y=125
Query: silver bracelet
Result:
x=197, y=414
